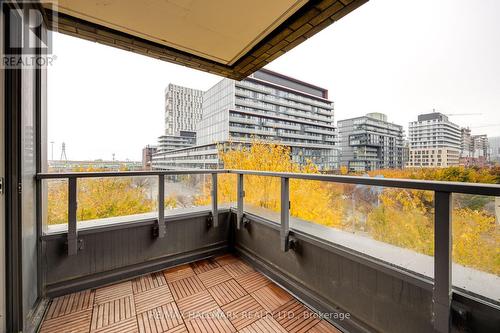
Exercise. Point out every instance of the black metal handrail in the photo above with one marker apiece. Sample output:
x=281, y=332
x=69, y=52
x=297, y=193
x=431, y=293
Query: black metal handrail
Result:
x=101, y=174
x=426, y=185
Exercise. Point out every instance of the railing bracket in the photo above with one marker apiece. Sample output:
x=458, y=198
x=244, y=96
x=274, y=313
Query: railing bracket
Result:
x=80, y=245
x=210, y=220
x=246, y=222
x=285, y=214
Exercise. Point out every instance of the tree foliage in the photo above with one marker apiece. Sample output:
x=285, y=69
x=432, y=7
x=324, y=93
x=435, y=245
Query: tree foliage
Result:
x=401, y=217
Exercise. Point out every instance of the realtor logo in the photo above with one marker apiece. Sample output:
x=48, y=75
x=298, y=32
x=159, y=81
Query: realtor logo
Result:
x=28, y=41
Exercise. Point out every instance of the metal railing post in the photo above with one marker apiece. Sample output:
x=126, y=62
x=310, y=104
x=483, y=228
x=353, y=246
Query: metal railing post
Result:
x=285, y=213
x=240, y=195
x=441, y=294
x=215, y=209
x=72, y=223
x=161, y=206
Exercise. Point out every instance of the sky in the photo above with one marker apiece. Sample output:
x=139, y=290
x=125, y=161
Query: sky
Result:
x=399, y=57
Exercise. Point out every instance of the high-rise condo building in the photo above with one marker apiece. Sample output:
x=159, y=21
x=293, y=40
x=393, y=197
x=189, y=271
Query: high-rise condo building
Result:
x=494, y=144
x=465, y=142
x=481, y=146
x=434, y=141
x=147, y=156
x=474, y=149
x=183, y=109
x=265, y=106
x=370, y=142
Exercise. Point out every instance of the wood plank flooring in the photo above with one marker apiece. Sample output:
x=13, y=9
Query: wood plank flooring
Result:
x=219, y=295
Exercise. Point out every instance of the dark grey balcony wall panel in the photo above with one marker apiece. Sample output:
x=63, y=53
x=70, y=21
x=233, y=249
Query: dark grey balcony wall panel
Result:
x=376, y=300
x=112, y=255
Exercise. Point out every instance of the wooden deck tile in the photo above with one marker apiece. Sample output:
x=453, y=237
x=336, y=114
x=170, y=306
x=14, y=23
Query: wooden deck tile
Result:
x=243, y=311
x=164, y=318
x=264, y=325
x=197, y=305
x=221, y=295
x=109, y=293
x=227, y=292
x=153, y=298
x=226, y=259
x=214, y=277
x=252, y=281
x=77, y=322
x=204, y=265
x=237, y=268
x=179, y=272
x=324, y=327
x=186, y=287
x=295, y=317
x=112, y=312
x=271, y=297
x=179, y=329
x=217, y=323
x=124, y=326
x=148, y=281
x=60, y=306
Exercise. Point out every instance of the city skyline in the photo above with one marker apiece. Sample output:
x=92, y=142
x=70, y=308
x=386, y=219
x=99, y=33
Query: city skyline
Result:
x=364, y=83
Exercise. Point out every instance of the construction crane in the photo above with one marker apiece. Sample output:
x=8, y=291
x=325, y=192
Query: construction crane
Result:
x=482, y=126
x=463, y=114
x=459, y=114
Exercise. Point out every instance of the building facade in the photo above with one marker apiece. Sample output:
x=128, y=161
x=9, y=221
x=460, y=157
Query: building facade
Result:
x=465, y=142
x=269, y=107
x=434, y=141
x=370, y=142
x=477, y=153
x=172, y=142
x=481, y=146
x=183, y=109
x=494, y=143
x=474, y=149
x=147, y=156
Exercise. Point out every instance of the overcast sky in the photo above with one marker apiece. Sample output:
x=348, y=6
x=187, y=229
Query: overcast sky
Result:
x=398, y=57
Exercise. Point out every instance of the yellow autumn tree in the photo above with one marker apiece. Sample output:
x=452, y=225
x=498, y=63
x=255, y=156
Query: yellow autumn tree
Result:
x=406, y=217
x=310, y=200
x=99, y=198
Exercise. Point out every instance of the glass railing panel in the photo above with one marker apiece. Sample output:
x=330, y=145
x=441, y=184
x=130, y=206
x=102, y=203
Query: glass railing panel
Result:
x=226, y=190
x=187, y=192
x=56, y=204
x=390, y=224
x=109, y=197
x=262, y=196
x=476, y=244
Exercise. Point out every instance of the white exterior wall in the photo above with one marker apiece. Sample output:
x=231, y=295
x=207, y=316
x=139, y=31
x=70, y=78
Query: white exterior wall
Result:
x=434, y=143
x=183, y=109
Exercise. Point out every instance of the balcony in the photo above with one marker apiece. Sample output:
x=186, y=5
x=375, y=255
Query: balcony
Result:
x=148, y=270
x=235, y=266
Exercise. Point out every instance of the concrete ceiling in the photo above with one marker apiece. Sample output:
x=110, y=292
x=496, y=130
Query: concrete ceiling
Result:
x=232, y=38
x=219, y=30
